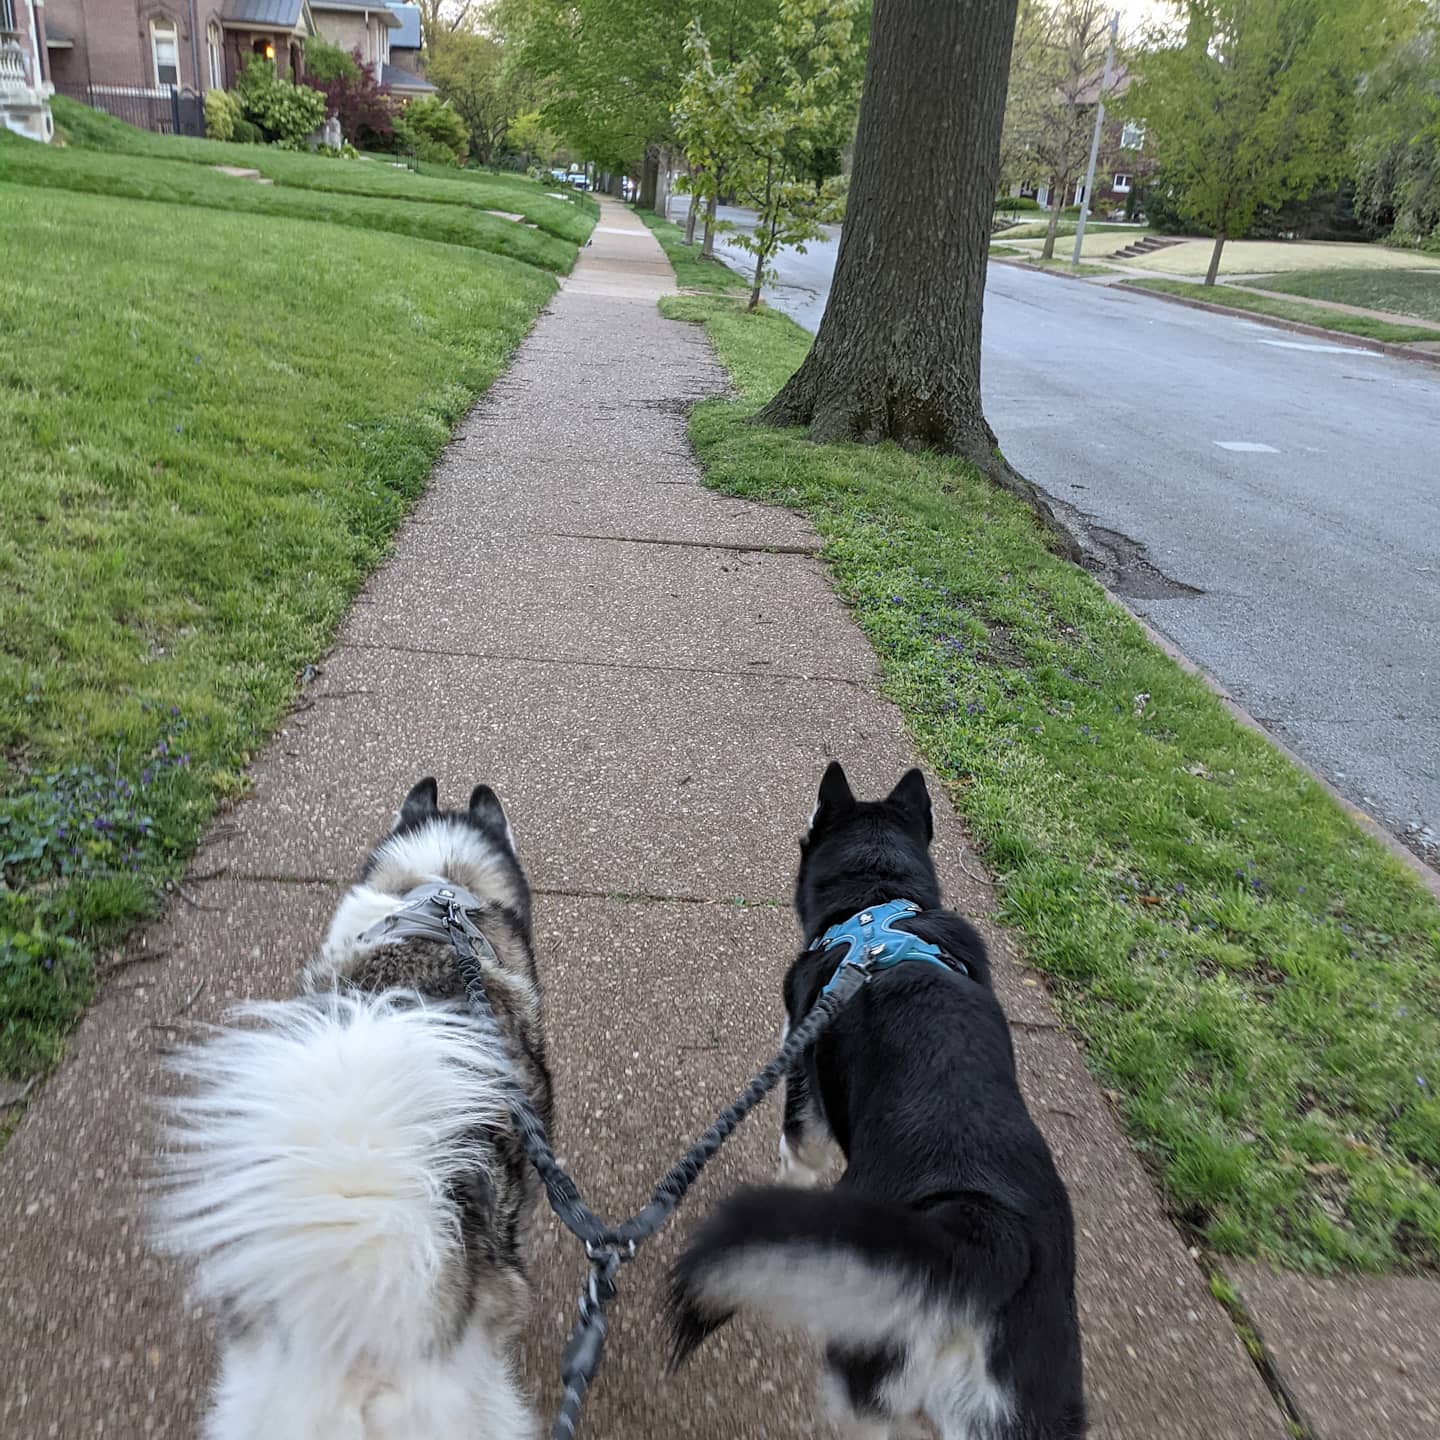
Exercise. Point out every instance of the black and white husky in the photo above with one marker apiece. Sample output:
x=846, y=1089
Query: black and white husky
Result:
x=939, y=1271
x=344, y=1172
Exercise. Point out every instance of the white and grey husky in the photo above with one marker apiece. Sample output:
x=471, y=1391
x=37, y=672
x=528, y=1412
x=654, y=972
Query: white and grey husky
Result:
x=344, y=1173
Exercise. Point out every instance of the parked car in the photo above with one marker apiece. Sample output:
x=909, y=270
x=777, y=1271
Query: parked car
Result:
x=579, y=179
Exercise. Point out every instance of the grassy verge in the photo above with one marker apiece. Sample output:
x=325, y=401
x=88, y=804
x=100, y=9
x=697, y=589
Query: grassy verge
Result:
x=567, y=219
x=1415, y=293
x=1288, y=310
x=1060, y=266
x=1038, y=229
x=1256, y=981
x=140, y=177
x=211, y=424
x=692, y=271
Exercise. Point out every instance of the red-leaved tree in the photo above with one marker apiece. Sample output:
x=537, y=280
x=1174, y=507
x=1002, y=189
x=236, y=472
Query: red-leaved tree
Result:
x=364, y=107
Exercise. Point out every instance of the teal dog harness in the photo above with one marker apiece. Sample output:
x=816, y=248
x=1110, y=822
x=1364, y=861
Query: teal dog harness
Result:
x=872, y=943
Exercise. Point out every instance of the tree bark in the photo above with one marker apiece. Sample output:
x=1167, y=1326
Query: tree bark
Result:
x=1057, y=194
x=1214, y=269
x=707, y=249
x=662, y=184
x=691, y=214
x=898, y=353
x=649, y=175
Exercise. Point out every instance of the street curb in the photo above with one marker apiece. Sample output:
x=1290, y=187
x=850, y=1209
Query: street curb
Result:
x=1296, y=327
x=1427, y=876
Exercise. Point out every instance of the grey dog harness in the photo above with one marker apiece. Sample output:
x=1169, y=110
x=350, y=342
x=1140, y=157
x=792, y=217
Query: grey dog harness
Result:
x=434, y=911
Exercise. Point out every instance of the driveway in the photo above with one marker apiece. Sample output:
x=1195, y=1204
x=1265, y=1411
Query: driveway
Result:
x=1269, y=501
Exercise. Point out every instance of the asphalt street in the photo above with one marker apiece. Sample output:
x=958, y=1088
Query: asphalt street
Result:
x=1271, y=502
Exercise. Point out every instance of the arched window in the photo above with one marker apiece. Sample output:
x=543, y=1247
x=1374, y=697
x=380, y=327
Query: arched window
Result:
x=165, y=49
x=214, y=48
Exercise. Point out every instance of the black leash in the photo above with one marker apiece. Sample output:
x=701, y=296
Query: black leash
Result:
x=609, y=1248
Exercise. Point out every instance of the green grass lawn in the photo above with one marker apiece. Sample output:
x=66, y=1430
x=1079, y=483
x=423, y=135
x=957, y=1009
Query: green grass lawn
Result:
x=692, y=271
x=1403, y=292
x=1282, y=309
x=212, y=423
x=140, y=177
x=1254, y=980
x=567, y=219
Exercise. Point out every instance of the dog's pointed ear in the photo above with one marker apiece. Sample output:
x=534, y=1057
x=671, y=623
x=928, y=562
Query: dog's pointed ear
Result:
x=486, y=810
x=836, y=797
x=485, y=806
x=420, y=804
x=911, y=798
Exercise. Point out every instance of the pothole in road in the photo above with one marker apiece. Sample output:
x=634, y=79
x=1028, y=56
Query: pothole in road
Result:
x=1124, y=566
x=1121, y=564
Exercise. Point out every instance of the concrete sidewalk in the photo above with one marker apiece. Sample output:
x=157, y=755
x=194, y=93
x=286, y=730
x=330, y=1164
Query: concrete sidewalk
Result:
x=653, y=678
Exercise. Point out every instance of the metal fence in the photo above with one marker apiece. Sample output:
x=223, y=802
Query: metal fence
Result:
x=167, y=109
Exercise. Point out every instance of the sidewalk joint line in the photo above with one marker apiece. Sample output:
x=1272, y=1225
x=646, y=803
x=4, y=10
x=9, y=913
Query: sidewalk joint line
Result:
x=757, y=671
x=560, y=892
x=741, y=546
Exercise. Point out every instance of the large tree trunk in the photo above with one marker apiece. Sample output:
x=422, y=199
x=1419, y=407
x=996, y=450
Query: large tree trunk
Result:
x=707, y=249
x=649, y=175
x=1214, y=269
x=898, y=353
x=662, y=184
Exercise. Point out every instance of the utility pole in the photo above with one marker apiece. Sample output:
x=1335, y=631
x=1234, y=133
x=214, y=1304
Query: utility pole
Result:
x=1095, y=138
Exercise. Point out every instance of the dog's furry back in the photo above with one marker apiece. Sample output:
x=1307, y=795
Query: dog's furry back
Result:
x=319, y=1153
x=345, y=1180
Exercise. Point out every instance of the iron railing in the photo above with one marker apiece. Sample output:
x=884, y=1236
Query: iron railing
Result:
x=165, y=109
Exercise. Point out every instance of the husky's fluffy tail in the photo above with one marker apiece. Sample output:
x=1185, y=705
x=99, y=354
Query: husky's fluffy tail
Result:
x=852, y=1272
x=313, y=1160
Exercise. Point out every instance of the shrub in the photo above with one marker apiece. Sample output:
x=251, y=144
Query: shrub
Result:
x=434, y=131
x=222, y=110
x=1013, y=204
x=247, y=133
x=285, y=113
x=325, y=62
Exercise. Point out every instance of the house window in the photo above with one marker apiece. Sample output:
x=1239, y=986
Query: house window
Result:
x=7, y=18
x=165, y=47
x=213, y=47
x=1121, y=185
x=1132, y=137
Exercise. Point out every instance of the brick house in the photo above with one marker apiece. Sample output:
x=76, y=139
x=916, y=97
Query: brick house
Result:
x=25, y=87
x=357, y=26
x=148, y=61
x=385, y=36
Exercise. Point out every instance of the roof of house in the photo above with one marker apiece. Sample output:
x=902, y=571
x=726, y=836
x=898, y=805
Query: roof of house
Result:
x=381, y=12
x=408, y=37
x=271, y=14
x=398, y=79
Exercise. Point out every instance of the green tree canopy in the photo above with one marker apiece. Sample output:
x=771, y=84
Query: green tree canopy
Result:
x=1397, y=136
x=613, y=69
x=483, y=84
x=1254, y=105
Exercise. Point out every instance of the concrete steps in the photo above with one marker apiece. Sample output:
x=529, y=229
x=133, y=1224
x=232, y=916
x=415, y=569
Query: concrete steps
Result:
x=1146, y=246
